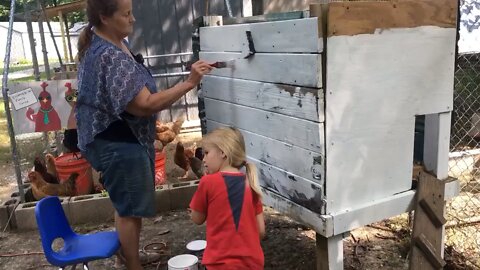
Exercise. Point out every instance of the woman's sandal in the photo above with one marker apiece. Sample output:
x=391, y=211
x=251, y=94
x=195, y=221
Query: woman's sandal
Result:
x=145, y=258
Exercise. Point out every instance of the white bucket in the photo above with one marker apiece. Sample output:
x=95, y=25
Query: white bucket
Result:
x=183, y=262
x=197, y=247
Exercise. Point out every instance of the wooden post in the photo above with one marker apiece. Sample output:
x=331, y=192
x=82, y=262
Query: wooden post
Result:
x=329, y=252
x=62, y=32
x=28, y=18
x=428, y=239
x=44, y=47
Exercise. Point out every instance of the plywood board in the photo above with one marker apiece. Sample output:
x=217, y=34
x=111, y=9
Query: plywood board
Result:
x=354, y=18
x=293, y=69
x=291, y=158
x=301, y=102
x=371, y=108
x=272, y=37
x=293, y=131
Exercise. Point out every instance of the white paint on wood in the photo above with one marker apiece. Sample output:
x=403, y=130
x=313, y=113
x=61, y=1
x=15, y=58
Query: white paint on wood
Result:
x=291, y=36
x=291, y=158
x=284, y=99
x=293, y=69
x=294, y=131
x=329, y=252
x=247, y=8
x=322, y=224
x=437, y=143
x=373, y=211
x=377, y=84
x=292, y=187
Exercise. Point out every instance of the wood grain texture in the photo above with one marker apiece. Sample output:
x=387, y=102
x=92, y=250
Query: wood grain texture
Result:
x=365, y=17
x=281, y=36
x=294, y=131
x=291, y=158
x=302, y=102
x=294, y=69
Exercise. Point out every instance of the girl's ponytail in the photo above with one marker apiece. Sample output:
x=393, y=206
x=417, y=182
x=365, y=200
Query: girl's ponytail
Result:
x=253, y=178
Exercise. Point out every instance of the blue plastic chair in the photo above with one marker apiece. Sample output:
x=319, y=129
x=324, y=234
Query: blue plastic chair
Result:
x=77, y=249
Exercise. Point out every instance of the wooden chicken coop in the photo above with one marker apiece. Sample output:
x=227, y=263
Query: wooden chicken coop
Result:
x=327, y=100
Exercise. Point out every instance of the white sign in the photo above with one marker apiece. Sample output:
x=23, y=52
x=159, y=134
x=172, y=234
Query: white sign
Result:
x=23, y=99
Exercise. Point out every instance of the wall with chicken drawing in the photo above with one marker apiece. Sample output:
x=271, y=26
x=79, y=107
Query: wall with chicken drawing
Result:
x=47, y=108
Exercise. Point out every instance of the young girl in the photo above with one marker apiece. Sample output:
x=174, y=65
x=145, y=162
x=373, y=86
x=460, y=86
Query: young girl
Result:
x=230, y=202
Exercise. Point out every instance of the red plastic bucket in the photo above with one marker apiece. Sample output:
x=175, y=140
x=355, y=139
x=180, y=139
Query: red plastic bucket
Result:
x=67, y=164
x=160, y=173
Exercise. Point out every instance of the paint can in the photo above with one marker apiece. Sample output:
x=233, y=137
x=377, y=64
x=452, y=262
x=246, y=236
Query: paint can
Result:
x=183, y=262
x=197, y=247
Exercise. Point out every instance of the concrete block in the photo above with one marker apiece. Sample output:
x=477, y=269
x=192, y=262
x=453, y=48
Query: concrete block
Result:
x=7, y=214
x=162, y=198
x=25, y=214
x=181, y=194
x=90, y=208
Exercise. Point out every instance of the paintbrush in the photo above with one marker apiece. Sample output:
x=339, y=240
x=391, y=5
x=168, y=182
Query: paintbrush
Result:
x=218, y=64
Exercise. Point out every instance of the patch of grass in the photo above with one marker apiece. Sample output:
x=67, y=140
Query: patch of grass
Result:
x=43, y=76
x=14, y=68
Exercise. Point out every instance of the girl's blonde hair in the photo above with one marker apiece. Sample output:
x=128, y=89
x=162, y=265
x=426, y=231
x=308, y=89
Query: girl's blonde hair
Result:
x=230, y=141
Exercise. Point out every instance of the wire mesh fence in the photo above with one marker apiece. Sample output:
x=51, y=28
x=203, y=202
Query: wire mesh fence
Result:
x=463, y=228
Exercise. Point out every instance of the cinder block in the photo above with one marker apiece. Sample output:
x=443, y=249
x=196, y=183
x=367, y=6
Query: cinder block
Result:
x=90, y=208
x=162, y=198
x=25, y=214
x=7, y=214
x=181, y=194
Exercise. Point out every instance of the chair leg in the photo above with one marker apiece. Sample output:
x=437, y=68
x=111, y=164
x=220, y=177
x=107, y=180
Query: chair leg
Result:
x=85, y=266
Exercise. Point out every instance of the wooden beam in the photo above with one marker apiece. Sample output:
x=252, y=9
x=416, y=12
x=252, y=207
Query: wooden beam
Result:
x=329, y=252
x=65, y=8
x=301, y=102
x=305, y=134
x=292, y=68
x=271, y=37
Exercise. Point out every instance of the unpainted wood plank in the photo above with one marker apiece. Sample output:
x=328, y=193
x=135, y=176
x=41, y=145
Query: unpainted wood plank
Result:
x=322, y=224
x=291, y=158
x=432, y=191
x=293, y=69
x=294, y=131
x=366, y=17
x=371, y=108
x=271, y=37
x=302, y=102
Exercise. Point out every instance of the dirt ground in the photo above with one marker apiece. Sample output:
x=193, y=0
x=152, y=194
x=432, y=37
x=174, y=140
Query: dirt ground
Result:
x=288, y=245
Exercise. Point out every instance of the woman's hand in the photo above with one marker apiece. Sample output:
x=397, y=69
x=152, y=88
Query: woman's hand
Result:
x=198, y=69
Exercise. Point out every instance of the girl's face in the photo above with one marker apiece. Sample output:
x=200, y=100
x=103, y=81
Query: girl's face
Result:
x=214, y=159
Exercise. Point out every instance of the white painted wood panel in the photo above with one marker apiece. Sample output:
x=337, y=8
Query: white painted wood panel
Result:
x=293, y=69
x=377, y=84
x=292, y=187
x=291, y=36
x=301, y=102
x=294, y=131
x=291, y=158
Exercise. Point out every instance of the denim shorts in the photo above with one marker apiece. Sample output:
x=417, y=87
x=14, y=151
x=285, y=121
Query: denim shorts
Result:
x=127, y=174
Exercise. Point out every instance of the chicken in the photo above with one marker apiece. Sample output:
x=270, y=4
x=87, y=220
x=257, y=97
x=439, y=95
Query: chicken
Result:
x=166, y=134
x=41, y=188
x=186, y=159
x=40, y=167
x=50, y=164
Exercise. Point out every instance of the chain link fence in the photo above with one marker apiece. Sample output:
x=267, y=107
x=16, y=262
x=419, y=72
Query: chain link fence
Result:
x=463, y=227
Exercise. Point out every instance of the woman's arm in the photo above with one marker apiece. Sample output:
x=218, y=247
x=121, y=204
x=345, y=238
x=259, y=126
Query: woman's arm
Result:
x=197, y=217
x=146, y=104
x=261, y=225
